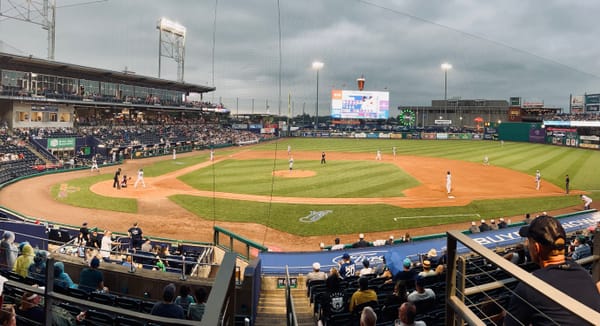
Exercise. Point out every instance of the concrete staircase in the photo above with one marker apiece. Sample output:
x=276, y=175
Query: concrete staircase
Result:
x=271, y=308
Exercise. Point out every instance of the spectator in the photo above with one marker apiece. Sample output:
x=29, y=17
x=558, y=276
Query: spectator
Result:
x=407, y=273
x=316, y=273
x=361, y=243
x=580, y=248
x=37, y=270
x=406, y=315
x=421, y=293
x=337, y=245
x=135, y=234
x=167, y=308
x=8, y=251
x=62, y=279
x=30, y=308
x=335, y=299
x=95, y=241
x=347, y=266
x=502, y=224
x=362, y=295
x=390, y=241
x=432, y=256
x=493, y=225
x=106, y=246
x=24, y=260
x=427, y=271
x=368, y=317
x=474, y=228
x=383, y=271
x=546, y=242
x=147, y=245
x=366, y=270
x=517, y=256
x=399, y=295
x=92, y=279
x=483, y=226
x=196, y=310
x=527, y=219
x=184, y=299
x=85, y=232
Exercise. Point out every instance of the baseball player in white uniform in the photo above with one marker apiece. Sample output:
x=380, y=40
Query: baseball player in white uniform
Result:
x=174, y=154
x=212, y=154
x=587, y=201
x=291, y=161
x=394, y=152
x=378, y=155
x=140, y=178
x=94, y=164
x=538, y=179
x=448, y=182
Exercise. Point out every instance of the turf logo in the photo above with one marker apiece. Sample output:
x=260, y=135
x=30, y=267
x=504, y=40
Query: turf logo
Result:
x=65, y=189
x=314, y=216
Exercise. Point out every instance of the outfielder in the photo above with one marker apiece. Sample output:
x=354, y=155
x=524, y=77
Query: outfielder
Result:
x=140, y=178
x=291, y=163
x=448, y=182
x=538, y=179
x=378, y=155
x=394, y=152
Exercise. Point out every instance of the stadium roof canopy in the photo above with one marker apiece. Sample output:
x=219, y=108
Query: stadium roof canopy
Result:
x=42, y=66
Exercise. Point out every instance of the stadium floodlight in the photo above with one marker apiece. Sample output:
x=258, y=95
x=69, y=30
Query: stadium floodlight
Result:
x=317, y=65
x=445, y=67
x=171, y=44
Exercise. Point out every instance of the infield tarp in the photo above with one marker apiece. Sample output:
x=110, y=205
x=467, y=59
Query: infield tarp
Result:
x=301, y=262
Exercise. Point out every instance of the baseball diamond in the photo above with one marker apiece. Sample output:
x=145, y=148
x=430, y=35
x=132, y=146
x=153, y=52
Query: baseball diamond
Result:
x=186, y=200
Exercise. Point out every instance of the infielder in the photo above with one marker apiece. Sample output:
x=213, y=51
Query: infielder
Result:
x=378, y=155
x=289, y=149
x=486, y=160
x=538, y=179
x=394, y=152
x=587, y=201
x=140, y=178
x=94, y=164
x=291, y=163
x=448, y=182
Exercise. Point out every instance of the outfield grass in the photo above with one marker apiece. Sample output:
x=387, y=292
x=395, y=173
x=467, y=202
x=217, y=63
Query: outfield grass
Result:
x=344, y=219
x=370, y=180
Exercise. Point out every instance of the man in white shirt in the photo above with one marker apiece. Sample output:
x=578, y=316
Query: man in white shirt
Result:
x=140, y=178
x=587, y=201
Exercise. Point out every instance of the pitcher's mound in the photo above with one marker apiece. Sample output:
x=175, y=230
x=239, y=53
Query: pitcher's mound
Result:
x=294, y=173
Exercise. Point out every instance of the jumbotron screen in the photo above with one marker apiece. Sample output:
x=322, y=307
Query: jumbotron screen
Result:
x=359, y=104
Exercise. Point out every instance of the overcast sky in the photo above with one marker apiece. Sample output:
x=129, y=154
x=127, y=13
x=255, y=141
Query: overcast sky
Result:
x=539, y=50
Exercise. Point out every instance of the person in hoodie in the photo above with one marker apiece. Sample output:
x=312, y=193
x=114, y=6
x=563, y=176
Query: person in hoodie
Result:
x=24, y=260
x=8, y=251
x=62, y=279
x=37, y=270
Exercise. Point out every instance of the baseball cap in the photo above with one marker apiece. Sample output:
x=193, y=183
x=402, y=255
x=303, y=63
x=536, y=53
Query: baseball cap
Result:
x=346, y=256
x=316, y=266
x=407, y=262
x=545, y=230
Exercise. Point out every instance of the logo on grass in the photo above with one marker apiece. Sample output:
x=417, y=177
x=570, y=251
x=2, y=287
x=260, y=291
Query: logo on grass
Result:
x=65, y=189
x=314, y=216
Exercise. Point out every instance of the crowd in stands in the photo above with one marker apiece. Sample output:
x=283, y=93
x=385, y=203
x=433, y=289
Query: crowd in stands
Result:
x=21, y=261
x=588, y=116
x=417, y=291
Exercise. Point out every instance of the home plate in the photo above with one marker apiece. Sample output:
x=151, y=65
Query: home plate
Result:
x=451, y=197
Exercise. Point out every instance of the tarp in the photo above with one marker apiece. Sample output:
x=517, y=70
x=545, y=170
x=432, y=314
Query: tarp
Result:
x=301, y=262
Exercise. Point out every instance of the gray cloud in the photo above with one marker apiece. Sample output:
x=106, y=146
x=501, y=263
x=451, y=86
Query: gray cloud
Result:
x=535, y=49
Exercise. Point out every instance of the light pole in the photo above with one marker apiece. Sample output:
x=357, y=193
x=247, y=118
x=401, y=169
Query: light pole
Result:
x=317, y=65
x=445, y=67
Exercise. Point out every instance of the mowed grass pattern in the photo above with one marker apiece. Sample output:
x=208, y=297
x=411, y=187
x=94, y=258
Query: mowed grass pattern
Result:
x=349, y=179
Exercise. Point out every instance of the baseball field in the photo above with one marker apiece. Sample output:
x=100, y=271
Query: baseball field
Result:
x=250, y=190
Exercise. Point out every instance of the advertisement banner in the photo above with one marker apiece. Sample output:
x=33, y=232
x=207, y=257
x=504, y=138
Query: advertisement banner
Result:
x=442, y=135
x=428, y=135
x=61, y=143
x=396, y=136
x=373, y=135
x=384, y=135
x=537, y=135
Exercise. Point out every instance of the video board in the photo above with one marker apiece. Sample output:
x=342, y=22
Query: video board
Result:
x=347, y=104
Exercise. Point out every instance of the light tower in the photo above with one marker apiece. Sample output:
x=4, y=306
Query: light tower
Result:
x=171, y=44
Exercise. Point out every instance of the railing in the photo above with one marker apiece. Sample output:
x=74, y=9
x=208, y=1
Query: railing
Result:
x=457, y=311
x=233, y=240
x=219, y=308
x=289, y=302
